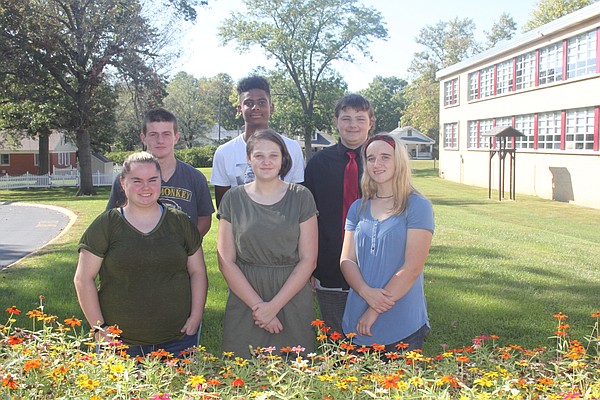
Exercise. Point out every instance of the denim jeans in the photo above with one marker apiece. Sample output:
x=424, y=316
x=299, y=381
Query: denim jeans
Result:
x=174, y=347
x=414, y=341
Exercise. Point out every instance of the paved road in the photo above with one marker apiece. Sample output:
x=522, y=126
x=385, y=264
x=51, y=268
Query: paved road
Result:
x=25, y=228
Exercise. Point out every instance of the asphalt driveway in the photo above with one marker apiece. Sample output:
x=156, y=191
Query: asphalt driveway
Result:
x=25, y=228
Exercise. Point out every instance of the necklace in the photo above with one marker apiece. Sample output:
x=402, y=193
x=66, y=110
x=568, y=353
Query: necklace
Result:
x=383, y=197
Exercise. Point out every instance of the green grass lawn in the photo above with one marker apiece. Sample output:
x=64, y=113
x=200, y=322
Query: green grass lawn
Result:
x=495, y=267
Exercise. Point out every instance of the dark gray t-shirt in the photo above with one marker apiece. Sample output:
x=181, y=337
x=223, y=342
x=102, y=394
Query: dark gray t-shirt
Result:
x=186, y=190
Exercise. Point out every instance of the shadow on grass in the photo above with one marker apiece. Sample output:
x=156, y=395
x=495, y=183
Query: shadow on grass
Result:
x=41, y=195
x=496, y=298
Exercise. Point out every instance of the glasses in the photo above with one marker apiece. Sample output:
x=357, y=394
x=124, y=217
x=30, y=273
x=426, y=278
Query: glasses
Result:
x=386, y=138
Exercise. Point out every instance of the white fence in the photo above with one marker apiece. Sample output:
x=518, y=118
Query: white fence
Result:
x=70, y=178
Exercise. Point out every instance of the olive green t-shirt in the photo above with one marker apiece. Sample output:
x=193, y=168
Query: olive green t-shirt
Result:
x=144, y=283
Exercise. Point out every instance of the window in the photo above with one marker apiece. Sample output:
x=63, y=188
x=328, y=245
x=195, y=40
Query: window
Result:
x=580, y=129
x=504, y=77
x=525, y=71
x=485, y=125
x=549, y=125
x=36, y=159
x=581, y=55
x=64, y=159
x=505, y=121
x=524, y=124
x=487, y=82
x=451, y=92
x=451, y=136
x=551, y=63
x=474, y=85
x=473, y=135
x=4, y=159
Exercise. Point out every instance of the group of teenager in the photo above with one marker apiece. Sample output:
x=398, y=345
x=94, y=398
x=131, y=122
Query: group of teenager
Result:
x=349, y=227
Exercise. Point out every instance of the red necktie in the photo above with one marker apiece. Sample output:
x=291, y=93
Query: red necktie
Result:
x=350, y=185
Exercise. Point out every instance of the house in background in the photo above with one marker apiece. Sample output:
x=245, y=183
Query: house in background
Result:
x=545, y=84
x=319, y=141
x=419, y=146
x=22, y=156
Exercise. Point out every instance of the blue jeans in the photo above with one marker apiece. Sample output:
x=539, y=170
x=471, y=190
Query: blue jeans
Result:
x=174, y=347
x=414, y=341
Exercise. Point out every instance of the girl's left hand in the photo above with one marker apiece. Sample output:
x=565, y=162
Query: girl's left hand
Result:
x=366, y=321
x=191, y=326
x=263, y=313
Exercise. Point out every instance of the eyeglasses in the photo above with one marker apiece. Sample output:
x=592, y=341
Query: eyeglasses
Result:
x=386, y=138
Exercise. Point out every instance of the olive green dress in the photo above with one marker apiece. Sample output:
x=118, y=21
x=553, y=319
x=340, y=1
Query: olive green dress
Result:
x=266, y=244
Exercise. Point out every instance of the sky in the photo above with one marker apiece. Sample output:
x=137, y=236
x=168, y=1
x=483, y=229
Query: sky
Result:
x=204, y=57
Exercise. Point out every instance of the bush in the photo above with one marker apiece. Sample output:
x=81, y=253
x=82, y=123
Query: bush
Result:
x=197, y=157
x=118, y=157
x=57, y=360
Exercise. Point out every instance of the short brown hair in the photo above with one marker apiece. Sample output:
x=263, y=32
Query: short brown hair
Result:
x=272, y=136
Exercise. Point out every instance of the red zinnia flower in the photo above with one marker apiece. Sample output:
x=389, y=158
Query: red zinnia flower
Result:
x=336, y=335
x=237, y=382
x=13, y=310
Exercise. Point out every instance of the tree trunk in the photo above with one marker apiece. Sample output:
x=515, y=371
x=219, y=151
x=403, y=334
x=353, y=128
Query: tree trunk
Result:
x=308, y=134
x=44, y=152
x=86, y=185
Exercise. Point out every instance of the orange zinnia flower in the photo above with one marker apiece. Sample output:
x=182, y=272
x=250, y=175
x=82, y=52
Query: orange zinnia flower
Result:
x=462, y=359
x=35, y=363
x=317, y=323
x=402, y=346
x=335, y=335
x=237, y=382
x=73, y=322
x=378, y=347
x=560, y=316
x=596, y=315
x=9, y=382
x=390, y=381
x=13, y=310
x=12, y=340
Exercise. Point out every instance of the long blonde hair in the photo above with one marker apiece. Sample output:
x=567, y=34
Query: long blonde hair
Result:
x=402, y=186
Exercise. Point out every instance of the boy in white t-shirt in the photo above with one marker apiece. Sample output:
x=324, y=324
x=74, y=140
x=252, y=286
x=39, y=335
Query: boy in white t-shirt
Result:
x=230, y=165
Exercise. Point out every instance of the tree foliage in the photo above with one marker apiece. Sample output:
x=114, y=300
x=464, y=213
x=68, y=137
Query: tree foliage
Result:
x=549, y=10
x=387, y=98
x=305, y=37
x=445, y=43
x=289, y=117
x=76, y=43
x=503, y=29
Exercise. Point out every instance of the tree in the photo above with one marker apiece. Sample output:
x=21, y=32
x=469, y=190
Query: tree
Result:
x=549, y=10
x=185, y=100
x=503, y=29
x=77, y=43
x=446, y=43
x=305, y=37
x=289, y=117
x=387, y=98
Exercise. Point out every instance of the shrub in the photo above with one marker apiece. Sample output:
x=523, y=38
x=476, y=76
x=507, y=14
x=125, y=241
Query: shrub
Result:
x=57, y=360
x=198, y=157
x=118, y=157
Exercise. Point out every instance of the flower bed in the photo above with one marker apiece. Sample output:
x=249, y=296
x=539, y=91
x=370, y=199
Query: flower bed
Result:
x=57, y=360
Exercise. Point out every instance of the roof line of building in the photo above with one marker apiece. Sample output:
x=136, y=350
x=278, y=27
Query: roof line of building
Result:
x=563, y=22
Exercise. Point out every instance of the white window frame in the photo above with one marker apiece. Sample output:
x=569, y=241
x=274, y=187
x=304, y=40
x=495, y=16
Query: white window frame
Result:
x=504, y=77
x=64, y=158
x=474, y=85
x=581, y=55
x=5, y=159
x=485, y=125
x=525, y=70
x=487, y=82
x=551, y=64
x=473, y=135
x=451, y=92
x=579, y=129
x=525, y=124
x=549, y=130
x=451, y=135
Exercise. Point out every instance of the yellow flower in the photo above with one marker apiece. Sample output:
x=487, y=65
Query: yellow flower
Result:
x=117, y=368
x=325, y=378
x=228, y=354
x=483, y=382
x=416, y=381
x=84, y=382
x=196, y=380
